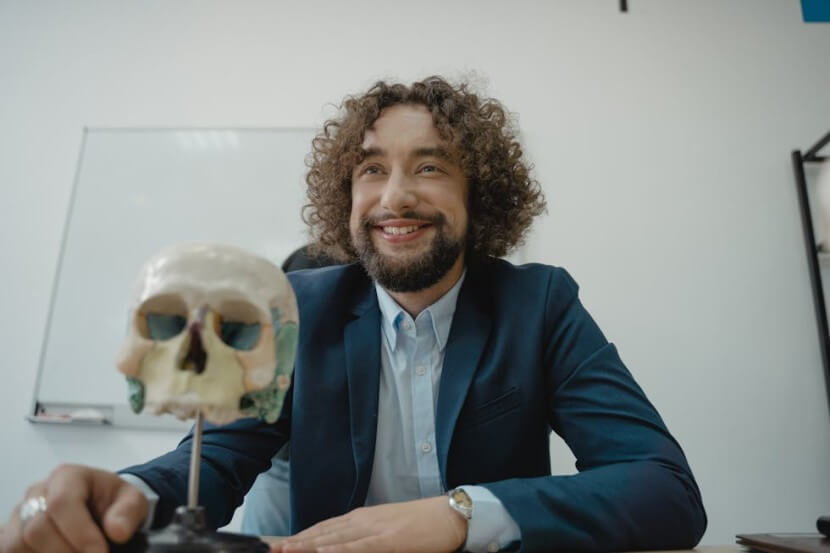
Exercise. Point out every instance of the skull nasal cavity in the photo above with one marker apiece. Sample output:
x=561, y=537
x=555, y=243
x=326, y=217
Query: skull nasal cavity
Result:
x=196, y=357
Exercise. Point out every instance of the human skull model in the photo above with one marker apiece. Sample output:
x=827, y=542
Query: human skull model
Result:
x=213, y=328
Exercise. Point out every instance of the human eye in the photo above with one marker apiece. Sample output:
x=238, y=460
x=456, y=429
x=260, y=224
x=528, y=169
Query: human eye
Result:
x=429, y=169
x=370, y=169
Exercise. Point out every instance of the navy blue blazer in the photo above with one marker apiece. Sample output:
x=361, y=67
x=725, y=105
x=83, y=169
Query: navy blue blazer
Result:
x=523, y=358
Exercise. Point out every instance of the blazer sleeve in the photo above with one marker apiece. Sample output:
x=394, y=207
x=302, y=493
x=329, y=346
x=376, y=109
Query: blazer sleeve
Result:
x=232, y=457
x=634, y=489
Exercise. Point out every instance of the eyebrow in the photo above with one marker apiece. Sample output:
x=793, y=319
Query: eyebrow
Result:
x=370, y=152
x=431, y=151
x=436, y=151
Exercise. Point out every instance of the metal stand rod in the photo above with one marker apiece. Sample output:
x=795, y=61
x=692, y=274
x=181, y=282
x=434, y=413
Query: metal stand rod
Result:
x=813, y=266
x=195, y=464
x=812, y=153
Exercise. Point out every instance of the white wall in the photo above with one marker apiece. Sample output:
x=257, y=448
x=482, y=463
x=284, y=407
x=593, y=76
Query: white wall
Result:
x=661, y=137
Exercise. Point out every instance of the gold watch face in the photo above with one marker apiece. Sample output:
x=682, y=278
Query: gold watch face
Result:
x=461, y=497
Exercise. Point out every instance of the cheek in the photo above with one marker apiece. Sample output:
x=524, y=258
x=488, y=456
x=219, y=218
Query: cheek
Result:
x=364, y=197
x=464, y=201
x=463, y=223
x=459, y=210
x=358, y=208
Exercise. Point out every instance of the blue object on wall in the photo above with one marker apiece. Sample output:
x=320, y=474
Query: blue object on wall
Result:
x=816, y=11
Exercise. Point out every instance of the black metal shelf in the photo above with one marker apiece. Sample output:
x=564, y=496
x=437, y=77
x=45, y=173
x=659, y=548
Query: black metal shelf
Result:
x=798, y=160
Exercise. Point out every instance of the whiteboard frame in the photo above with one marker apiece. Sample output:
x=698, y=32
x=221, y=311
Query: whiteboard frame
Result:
x=114, y=414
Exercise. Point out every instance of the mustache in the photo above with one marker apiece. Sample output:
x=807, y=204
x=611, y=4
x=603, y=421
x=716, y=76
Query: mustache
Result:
x=368, y=221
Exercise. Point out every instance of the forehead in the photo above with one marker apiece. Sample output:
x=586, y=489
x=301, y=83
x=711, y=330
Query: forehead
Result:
x=402, y=127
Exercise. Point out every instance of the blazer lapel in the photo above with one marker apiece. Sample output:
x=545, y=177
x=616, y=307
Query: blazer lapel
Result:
x=468, y=336
x=362, y=351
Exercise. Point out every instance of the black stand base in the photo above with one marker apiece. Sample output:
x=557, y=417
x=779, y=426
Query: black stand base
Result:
x=189, y=534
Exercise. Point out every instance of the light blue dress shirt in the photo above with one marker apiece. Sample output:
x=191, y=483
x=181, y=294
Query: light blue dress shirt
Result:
x=406, y=461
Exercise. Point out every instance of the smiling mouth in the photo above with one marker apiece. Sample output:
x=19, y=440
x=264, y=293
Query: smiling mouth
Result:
x=403, y=227
x=400, y=230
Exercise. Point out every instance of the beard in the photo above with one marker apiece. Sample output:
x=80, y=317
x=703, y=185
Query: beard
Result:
x=415, y=272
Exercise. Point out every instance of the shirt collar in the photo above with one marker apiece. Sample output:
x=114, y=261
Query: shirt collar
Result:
x=440, y=313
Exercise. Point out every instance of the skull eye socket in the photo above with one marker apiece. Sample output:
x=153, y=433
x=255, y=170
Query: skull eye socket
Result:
x=240, y=326
x=161, y=318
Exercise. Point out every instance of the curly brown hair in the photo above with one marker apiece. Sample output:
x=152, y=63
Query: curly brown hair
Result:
x=503, y=197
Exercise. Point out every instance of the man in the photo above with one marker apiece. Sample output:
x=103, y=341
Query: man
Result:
x=428, y=366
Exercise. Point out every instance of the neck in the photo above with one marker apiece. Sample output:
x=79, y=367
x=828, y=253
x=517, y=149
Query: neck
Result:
x=415, y=302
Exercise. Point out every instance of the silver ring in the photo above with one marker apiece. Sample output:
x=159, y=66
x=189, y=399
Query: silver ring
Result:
x=31, y=507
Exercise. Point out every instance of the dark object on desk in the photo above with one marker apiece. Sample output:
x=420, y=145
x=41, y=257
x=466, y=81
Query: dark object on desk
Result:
x=188, y=533
x=785, y=543
x=823, y=526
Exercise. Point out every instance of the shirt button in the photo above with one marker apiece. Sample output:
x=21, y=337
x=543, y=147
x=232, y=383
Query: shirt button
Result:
x=492, y=547
x=426, y=447
x=406, y=325
x=420, y=371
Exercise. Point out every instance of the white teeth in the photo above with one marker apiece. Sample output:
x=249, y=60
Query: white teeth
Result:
x=400, y=230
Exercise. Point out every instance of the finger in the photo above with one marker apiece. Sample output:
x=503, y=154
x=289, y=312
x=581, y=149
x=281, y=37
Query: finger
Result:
x=344, y=535
x=66, y=502
x=369, y=544
x=295, y=548
x=278, y=545
x=321, y=527
x=274, y=545
x=40, y=534
x=10, y=539
x=128, y=510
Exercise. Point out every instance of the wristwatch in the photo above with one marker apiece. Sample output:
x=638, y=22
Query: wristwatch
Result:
x=461, y=502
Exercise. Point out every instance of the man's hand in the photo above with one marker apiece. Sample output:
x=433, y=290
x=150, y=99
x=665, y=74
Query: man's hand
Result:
x=422, y=526
x=75, y=498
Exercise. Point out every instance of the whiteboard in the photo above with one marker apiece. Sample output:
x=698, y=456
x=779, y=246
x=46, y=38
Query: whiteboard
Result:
x=135, y=192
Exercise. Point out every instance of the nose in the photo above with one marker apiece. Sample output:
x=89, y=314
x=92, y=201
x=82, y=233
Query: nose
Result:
x=398, y=193
x=196, y=357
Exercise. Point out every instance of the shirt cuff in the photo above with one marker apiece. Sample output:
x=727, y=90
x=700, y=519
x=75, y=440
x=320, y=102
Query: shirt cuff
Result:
x=491, y=528
x=149, y=493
